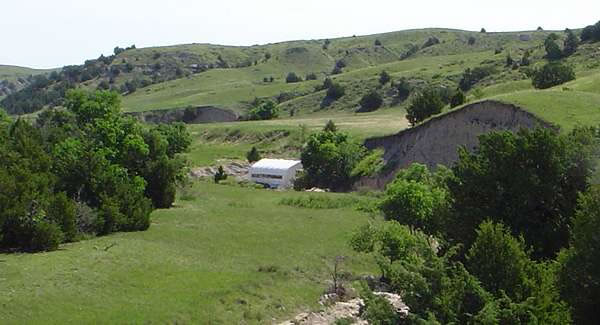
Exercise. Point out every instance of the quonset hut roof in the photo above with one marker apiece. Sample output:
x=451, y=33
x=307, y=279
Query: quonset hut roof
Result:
x=274, y=165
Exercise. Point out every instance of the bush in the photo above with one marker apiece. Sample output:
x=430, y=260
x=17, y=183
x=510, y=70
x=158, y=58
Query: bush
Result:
x=46, y=237
x=591, y=33
x=311, y=76
x=264, y=110
x=579, y=279
x=431, y=42
x=253, y=155
x=370, y=102
x=553, y=51
x=328, y=159
x=472, y=40
x=384, y=77
x=571, y=43
x=424, y=105
x=292, y=77
x=552, y=74
x=377, y=42
x=335, y=91
x=458, y=99
x=472, y=76
x=403, y=89
x=377, y=310
x=220, y=175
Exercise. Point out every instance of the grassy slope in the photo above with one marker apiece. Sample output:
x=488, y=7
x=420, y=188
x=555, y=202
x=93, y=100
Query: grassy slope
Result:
x=198, y=263
x=233, y=88
x=12, y=73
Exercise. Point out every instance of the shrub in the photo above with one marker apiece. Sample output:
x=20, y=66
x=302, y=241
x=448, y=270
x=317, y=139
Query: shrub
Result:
x=335, y=91
x=403, y=89
x=311, y=76
x=472, y=40
x=472, y=76
x=377, y=42
x=370, y=102
x=328, y=159
x=525, y=59
x=424, y=105
x=220, y=175
x=431, y=42
x=253, y=155
x=377, y=310
x=292, y=77
x=553, y=51
x=458, y=99
x=552, y=74
x=264, y=110
x=384, y=77
x=579, y=279
x=571, y=43
x=46, y=237
x=483, y=31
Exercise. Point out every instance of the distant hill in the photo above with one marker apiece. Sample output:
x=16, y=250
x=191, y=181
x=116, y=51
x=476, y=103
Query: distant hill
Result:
x=14, y=78
x=232, y=77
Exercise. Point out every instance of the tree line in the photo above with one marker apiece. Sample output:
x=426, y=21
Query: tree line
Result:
x=84, y=170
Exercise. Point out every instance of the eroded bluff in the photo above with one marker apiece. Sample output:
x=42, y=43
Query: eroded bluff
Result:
x=437, y=141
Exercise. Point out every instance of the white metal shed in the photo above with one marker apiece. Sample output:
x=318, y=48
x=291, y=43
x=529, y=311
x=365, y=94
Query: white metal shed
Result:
x=275, y=173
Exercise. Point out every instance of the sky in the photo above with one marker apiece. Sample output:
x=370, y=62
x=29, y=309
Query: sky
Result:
x=47, y=34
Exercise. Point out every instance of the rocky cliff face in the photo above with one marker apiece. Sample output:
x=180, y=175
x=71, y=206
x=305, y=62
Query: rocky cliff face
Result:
x=437, y=140
x=190, y=115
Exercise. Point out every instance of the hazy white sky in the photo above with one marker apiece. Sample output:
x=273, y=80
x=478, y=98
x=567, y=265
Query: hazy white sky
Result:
x=51, y=33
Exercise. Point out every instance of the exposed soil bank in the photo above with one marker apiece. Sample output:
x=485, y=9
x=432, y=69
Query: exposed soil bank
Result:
x=190, y=115
x=437, y=140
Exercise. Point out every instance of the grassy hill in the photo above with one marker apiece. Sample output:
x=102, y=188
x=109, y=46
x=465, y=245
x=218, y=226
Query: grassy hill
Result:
x=14, y=78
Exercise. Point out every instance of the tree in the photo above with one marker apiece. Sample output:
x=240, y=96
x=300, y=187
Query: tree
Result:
x=253, y=155
x=403, y=88
x=553, y=51
x=370, y=102
x=500, y=261
x=483, y=31
x=416, y=198
x=424, y=105
x=552, y=74
x=509, y=60
x=220, y=175
x=458, y=99
x=571, y=43
x=472, y=76
x=264, y=110
x=384, y=77
x=578, y=278
x=330, y=127
x=311, y=76
x=377, y=42
x=471, y=40
x=292, y=77
x=528, y=181
x=525, y=59
x=335, y=91
x=328, y=160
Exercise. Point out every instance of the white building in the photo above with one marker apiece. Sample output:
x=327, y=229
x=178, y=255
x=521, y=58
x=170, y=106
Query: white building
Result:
x=275, y=173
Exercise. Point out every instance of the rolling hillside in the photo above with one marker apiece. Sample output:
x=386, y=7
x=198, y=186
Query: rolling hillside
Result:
x=14, y=78
x=231, y=77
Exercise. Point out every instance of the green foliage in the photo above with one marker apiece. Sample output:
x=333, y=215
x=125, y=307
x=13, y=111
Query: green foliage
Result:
x=403, y=88
x=370, y=102
x=311, y=76
x=553, y=51
x=264, y=110
x=499, y=261
x=552, y=74
x=335, y=91
x=571, y=43
x=330, y=127
x=220, y=175
x=87, y=156
x=384, y=77
x=253, y=155
x=417, y=198
x=529, y=181
x=525, y=61
x=472, y=76
x=579, y=279
x=370, y=165
x=377, y=310
x=328, y=160
x=591, y=33
x=292, y=77
x=458, y=99
x=319, y=202
x=425, y=104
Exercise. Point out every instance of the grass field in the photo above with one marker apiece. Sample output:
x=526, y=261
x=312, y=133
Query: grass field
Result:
x=12, y=73
x=283, y=138
x=231, y=255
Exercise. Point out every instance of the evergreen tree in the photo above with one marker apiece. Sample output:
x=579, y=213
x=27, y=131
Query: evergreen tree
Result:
x=571, y=43
x=253, y=155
